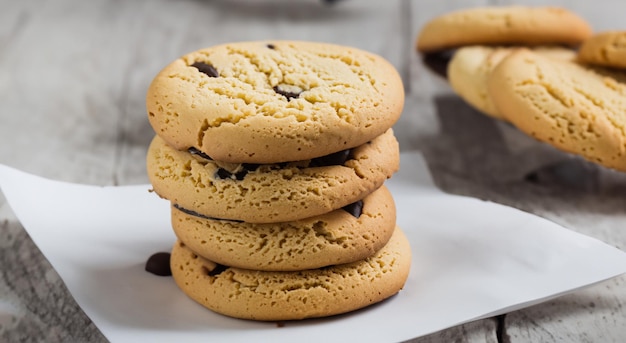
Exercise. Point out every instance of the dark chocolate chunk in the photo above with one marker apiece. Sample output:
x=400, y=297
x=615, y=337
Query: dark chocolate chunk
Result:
x=271, y=46
x=355, y=208
x=330, y=266
x=197, y=152
x=286, y=94
x=247, y=167
x=223, y=174
x=219, y=268
x=251, y=166
x=159, y=264
x=335, y=159
x=207, y=69
x=199, y=215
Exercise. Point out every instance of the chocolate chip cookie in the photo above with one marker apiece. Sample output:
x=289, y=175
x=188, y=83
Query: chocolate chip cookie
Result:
x=341, y=236
x=274, y=101
x=572, y=107
x=270, y=192
x=265, y=295
x=503, y=25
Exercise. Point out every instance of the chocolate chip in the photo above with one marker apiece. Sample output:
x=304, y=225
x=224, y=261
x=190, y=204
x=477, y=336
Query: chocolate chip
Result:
x=223, y=174
x=247, y=167
x=219, y=269
x=334, y=159
x=286, y=94
x=199, y=215
x=271, y=46
x=159, y=264
x=330, y=266
x=197, y=152
x=207, y=69
x=355, y=209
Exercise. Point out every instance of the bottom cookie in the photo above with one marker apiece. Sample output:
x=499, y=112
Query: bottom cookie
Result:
x=266, y=296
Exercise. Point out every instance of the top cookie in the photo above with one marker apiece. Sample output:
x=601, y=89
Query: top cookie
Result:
x=274, y=101
x=503, y=25
x=605, y=49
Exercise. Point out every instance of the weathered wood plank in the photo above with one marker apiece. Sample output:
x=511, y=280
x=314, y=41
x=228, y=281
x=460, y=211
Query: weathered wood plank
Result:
x=484, y=331
x=591, y=315
x=35, y=305
x=421, y=125
x=57, y=120
x=595, y=314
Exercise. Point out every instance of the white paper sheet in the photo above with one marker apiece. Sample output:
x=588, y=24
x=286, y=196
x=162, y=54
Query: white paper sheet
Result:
x=471, y=259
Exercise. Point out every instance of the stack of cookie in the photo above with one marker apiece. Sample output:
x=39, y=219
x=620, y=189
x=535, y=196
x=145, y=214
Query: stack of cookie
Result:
x=518, y=64
x=274, y=157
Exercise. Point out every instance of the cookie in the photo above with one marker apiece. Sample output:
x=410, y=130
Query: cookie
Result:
x=572, y=107
x=470, y=67
x=506, y=25
x=606, y=49
x=274, y=101
x=265, y=295
x=342, y=236
x=270, y=193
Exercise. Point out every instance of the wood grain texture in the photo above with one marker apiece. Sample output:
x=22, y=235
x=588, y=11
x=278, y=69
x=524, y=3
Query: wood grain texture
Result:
x=73, y=77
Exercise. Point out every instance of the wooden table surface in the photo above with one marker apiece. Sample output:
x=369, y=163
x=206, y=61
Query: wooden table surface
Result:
x=73, y=76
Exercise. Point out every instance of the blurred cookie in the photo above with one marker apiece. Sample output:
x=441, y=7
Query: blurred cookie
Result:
x=342, y=236
x=572, y=107
x=273, y=192
x=274, y=101
x=471, y=65
x=265, y=295
x=606, y=49
x=503, y=26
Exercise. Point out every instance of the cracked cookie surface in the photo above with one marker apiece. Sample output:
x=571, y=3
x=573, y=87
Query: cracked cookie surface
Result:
x=470, y=67
x=265, y=295
x=269, y=193
x=501, y=26
x=606, y=49
x=274, y=101
x=337, y=237
x=575, y=108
